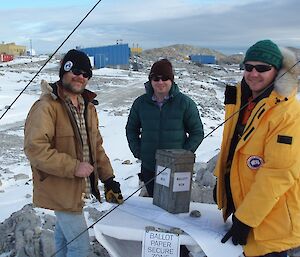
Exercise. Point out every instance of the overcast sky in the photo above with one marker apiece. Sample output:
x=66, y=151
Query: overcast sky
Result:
x=227, y=25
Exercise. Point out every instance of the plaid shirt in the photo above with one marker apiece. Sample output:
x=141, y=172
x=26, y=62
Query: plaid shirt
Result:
x=79, y=117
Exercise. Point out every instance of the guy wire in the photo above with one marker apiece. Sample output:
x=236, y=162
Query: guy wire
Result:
x=149, y=181
x=8, y=107
x=116, y=206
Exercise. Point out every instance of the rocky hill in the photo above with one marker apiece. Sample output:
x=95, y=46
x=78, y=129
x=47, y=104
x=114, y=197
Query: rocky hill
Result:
x=296, y=50
x=179, y=52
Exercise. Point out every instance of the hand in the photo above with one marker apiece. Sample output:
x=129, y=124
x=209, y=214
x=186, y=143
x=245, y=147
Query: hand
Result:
x=112, y=191
x=83, y=170
x=239, y=232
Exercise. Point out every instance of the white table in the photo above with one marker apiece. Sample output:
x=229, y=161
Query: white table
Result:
x=122, y=231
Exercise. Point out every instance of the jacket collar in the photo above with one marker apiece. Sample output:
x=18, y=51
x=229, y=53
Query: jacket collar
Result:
x=287, y=81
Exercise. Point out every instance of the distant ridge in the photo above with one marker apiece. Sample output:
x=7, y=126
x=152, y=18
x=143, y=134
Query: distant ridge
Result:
x=182, y=51
x=179, y=51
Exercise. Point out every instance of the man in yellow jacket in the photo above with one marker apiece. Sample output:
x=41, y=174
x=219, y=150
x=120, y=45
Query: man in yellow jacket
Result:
x=258, y=170
x=64, y=147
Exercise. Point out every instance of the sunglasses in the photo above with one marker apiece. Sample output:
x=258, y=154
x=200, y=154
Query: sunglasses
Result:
x=259, y=67
x=78, y=72
x=158, y=78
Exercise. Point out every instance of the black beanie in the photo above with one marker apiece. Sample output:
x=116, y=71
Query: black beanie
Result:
x=162, y=67
x=75, y=59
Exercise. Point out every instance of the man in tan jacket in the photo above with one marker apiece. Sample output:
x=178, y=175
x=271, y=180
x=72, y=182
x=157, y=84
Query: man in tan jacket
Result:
x=64, y=147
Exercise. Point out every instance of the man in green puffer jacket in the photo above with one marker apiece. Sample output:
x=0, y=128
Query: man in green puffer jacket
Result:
x=162, y=118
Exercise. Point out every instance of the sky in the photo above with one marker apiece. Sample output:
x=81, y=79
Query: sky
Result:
x=227, y=25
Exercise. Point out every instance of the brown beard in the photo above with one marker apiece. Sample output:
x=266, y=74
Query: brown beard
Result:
x=68, y=87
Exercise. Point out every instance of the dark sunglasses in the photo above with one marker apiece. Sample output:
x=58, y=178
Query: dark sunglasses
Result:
x=158, y=78
x=258, y=67
x=78, y=72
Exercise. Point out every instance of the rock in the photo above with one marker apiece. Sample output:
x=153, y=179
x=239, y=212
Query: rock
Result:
x=127, y=162
x=94, y=214
x=7, y=171
x=201, y=194
x=49, y=222
x=204, y=172
x=208, y=179
x=97, y=249
x=202, y=187
x=176, y=231
x=47, y=242
x=26, y=234
x=195, y=214
x=20, y=176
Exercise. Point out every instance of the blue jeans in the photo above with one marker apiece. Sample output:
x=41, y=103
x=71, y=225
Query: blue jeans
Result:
x=68, y=226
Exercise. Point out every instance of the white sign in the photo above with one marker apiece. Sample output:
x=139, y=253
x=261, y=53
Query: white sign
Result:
x=164, y=177
x=160, y=244
x=182, y=181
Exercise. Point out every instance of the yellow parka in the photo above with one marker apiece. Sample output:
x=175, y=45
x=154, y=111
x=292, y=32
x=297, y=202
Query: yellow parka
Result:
x=265, y=169
x=53, y=146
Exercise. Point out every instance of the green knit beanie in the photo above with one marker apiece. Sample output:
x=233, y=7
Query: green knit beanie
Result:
x=265, y=51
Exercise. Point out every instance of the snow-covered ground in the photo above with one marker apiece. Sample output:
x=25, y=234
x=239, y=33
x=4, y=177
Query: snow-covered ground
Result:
x=116, y=90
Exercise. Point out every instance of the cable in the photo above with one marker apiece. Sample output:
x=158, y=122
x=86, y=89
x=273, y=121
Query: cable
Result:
x=7, y=109
x=245, y=105
x=108, y=212
x=116, y=206
x=111, y=210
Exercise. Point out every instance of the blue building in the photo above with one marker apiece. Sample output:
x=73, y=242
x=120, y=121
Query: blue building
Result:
x=112, y=55
x=203, y=59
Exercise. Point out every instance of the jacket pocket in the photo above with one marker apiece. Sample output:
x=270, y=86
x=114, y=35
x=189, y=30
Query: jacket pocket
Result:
x=277, y=224
x=65, y=140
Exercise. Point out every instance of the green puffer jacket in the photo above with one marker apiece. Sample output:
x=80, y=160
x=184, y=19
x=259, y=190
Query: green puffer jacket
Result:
x=176, y=125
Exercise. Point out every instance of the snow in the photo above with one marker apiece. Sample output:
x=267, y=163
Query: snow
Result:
x=112, y=87
x=14, y=194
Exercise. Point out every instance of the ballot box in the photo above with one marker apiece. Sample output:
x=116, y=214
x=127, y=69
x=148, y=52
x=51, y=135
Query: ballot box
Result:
x=172, y=186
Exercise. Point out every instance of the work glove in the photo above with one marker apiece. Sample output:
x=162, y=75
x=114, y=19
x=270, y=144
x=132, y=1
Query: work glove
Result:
x=112, y=191
x=238, y=232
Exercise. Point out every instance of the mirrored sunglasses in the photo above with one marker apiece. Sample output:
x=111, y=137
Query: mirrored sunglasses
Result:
x=78, y=72
x=158, y=78
x=258, y=67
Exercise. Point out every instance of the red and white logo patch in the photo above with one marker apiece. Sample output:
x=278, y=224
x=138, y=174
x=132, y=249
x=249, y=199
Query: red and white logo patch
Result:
x=255, y=162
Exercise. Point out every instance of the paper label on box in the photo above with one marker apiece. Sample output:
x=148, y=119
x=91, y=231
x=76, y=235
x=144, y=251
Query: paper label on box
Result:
x=182, y=181
x=164, y=177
